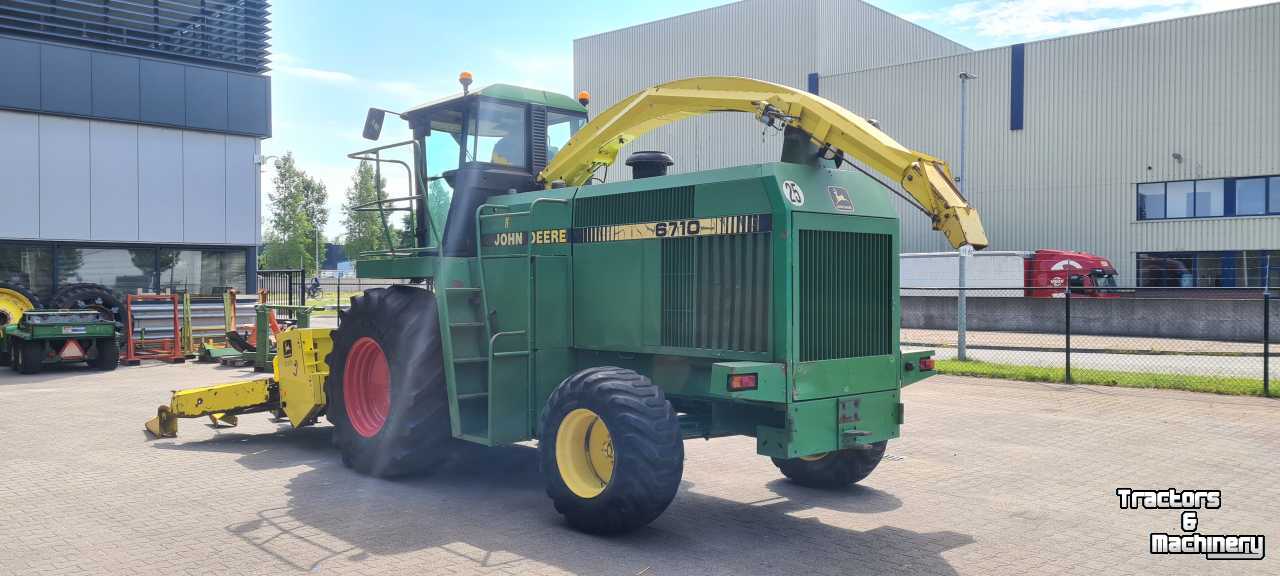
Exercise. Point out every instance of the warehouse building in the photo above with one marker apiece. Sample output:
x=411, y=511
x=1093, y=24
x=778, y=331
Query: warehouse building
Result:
x=1155, y=145
x=129, y=142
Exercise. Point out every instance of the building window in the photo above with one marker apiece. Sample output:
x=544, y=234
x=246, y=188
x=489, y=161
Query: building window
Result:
x=122, y=270
x=1219, y=269
x=1180, y=199
x=1273, y=204
x=1251, y=196
x=30, y=266
x=1151, y=201
x=43, y=268
x=202, y=271
x=1209, y=198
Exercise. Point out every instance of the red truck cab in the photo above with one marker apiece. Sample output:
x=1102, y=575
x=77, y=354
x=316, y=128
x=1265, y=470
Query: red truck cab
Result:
x=1049, y=272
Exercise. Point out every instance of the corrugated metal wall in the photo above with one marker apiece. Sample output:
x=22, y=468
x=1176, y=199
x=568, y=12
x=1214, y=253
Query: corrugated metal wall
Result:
x=1103, y=111
x=776, y=40
x=78, y=179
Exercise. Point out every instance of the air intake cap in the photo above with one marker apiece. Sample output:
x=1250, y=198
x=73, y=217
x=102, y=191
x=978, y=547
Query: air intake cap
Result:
x=649, y=163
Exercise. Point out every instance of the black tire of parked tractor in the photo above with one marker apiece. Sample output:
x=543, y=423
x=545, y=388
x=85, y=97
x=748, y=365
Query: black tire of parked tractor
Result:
x=835, y=469
x=87, y=295
x=30, y=356
x=108, y=354
x=648, y=449
x=415, y=437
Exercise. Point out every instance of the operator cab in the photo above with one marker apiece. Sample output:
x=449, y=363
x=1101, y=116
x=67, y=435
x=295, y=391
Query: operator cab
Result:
x=480, y=143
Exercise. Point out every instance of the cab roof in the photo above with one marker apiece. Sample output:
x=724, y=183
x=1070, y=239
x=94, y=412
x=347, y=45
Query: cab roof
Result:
x=513, y=93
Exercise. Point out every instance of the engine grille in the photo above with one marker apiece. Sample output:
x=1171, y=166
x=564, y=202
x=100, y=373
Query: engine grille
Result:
x=846, y=294
x=715, y=292
x=631, y=208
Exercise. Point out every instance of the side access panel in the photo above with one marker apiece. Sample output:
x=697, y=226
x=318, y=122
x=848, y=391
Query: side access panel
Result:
x=552, y=333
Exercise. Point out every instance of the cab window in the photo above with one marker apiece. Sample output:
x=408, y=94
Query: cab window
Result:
x=497, y=134
x=561, y=126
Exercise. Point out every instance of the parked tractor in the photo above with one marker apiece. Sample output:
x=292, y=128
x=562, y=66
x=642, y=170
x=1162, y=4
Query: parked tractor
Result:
x=613, y=320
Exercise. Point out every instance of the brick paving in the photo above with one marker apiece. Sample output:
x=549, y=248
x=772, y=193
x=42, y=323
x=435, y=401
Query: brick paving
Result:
x=989, y=478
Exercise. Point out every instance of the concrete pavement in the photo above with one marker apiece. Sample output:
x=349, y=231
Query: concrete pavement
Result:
x=988, y=478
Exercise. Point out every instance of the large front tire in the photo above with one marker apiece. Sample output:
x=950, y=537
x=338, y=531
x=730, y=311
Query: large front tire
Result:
x=834, y=469
x=386, y=391
x=611, y=450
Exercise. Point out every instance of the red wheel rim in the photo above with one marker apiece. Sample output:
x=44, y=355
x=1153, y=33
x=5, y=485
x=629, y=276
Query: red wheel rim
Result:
x=366, y=387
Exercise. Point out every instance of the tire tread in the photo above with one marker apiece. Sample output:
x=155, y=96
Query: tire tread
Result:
x=648, y=447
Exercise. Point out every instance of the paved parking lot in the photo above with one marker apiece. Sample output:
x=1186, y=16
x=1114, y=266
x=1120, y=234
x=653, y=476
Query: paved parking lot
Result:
x=989, y=478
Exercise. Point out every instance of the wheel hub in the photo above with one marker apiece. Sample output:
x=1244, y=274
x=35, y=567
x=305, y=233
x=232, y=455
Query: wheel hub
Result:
x=12, y=305
x=584, y=453
x=366, y=387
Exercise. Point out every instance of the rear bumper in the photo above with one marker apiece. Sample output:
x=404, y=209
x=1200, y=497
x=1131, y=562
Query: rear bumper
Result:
x=818, y=426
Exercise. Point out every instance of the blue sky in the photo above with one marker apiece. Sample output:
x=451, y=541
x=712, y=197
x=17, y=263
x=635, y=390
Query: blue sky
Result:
x=333, y=59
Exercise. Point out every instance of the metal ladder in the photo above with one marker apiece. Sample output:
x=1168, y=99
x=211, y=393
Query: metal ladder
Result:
x=470, y=324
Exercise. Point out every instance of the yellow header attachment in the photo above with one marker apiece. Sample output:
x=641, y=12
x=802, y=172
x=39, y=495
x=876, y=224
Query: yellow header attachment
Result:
x=925, y=178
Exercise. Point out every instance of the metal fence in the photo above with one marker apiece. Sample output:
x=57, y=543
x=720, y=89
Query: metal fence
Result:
x=284, y=286
x=1201, y=339
x=338, y=291
x=331, y=293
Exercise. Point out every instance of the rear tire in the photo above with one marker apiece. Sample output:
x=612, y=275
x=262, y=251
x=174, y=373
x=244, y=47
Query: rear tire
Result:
x=30, y=356
x=834, y=469
x=389, y=403
x=108, y=357
x=611, y=450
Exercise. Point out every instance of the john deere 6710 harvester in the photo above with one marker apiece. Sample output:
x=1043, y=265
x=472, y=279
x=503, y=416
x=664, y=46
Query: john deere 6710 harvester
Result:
x=611, y=321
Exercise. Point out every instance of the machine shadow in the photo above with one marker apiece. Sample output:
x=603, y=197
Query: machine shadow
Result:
x=287, y=447
x=487, y=508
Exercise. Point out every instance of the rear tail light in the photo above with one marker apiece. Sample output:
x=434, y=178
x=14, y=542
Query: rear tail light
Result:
x=740, y=382
x=926, y=364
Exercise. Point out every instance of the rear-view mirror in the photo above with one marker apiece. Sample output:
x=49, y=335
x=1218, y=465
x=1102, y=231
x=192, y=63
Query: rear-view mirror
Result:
x=373, y=123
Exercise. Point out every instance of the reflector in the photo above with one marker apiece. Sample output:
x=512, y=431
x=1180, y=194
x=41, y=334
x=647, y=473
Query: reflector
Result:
x=72, y=351
x=740, y=382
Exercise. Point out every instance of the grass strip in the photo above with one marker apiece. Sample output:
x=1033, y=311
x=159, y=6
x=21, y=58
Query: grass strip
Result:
x=1188, y=382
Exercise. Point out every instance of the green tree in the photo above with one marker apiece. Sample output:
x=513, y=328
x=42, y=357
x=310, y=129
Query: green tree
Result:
x=405, y=232
x=438, y=198
x=363, y=228
x=298, y=214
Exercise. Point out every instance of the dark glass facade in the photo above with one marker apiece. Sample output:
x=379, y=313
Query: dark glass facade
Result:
x=222, y=33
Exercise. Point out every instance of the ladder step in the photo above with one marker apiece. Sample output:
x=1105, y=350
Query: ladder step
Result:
x=511, y=353
x=475, y=360
x=462, y=290
x=473, y=396
x=467, y=325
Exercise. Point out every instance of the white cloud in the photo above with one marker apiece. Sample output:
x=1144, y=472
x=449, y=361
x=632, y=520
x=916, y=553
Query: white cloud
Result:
x=332, y=76
x=1026, y=19
x=546, y=71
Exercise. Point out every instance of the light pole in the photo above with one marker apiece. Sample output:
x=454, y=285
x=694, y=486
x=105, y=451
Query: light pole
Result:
x=963, y=253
